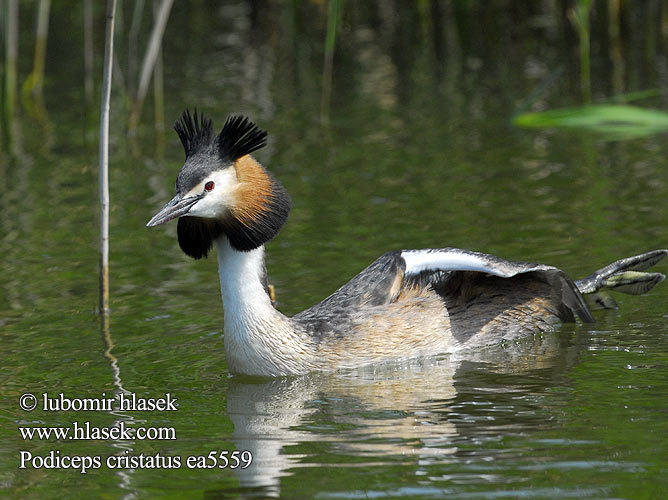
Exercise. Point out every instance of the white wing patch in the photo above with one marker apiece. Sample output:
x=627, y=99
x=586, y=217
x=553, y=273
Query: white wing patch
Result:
x=452, y=259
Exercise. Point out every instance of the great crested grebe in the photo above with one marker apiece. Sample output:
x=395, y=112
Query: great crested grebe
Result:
x=406, y=304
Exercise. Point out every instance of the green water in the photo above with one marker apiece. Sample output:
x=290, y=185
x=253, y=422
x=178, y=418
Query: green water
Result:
x=419, y=152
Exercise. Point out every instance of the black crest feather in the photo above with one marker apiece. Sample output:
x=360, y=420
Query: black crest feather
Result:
x=195, y=131
x=240, y=137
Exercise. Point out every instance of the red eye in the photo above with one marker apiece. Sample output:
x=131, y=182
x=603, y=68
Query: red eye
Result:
x=209, y=186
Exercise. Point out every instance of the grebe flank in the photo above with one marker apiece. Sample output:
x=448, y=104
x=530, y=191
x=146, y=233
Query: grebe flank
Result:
x=406, y=304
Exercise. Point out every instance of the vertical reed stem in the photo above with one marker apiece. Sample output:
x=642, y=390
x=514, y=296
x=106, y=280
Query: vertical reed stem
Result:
x=158, y=95
x=335, y=8
x=149, y=62
x=32, y=91
x=88, y=50
x=11, y=19
x=133, y=36
x=579, y=16
x=35, y=81
x=104, y=158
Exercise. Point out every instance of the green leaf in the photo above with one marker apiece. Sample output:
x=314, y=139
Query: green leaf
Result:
x=613, y=121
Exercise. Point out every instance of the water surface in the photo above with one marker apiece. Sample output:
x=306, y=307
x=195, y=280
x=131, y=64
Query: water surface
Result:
x=419, y=152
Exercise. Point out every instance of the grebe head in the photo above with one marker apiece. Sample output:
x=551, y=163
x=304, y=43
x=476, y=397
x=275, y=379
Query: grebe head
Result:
x=221, y=189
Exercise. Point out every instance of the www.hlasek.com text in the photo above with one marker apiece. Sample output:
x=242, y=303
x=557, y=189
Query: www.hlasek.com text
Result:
x=86, y=431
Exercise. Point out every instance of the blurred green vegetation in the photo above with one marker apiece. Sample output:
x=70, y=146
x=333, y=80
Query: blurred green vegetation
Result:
x=606, y=48
x=612, y=121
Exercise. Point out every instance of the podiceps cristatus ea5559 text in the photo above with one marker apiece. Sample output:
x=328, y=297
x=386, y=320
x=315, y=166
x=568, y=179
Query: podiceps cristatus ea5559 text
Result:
x=406, y=304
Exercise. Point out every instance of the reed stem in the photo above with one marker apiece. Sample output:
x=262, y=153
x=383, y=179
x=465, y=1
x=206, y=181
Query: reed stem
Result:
x=149, y=62
x=334, y=11
x=88, y=50
x=11, y=18
x=579, y=16
x=158, y=95
x=104, y=158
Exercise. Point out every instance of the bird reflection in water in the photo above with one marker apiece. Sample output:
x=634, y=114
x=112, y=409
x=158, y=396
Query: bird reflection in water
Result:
x=417, y=410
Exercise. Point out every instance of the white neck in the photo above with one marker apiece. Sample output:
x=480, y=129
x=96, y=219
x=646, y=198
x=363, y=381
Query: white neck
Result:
x=241, y=278
x=259, y=340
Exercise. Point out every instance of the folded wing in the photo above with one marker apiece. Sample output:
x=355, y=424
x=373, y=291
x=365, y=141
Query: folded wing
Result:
x=433, y=267
x=448, y=270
